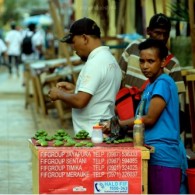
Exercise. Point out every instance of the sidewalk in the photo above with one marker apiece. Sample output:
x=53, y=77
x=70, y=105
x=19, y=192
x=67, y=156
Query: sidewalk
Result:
x=17, y=126
x=11, y=84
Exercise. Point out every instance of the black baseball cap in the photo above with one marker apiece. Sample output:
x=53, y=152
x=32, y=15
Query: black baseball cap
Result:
x=160, y=21
x=82, y=26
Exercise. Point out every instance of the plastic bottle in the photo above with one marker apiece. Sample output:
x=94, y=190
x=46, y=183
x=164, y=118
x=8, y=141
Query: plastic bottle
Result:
x=97, y=135
x=138, y=132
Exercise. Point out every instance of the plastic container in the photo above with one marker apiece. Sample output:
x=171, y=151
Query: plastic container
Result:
x=191, y=180
x=138, y=133
x=97, y=135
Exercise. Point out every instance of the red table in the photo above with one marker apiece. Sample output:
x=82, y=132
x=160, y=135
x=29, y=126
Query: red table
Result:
x=103, y=169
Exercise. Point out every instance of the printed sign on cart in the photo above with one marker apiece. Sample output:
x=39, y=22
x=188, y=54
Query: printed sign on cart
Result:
x=98, y=170
x=103, y=187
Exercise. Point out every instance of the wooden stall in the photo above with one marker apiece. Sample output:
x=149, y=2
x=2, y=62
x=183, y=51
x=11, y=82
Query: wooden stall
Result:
x=191, y=4
x=189, y=78
x=40, y=77
x=104, y=168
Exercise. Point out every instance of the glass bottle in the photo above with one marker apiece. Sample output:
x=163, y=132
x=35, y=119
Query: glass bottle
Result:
x=138, y=132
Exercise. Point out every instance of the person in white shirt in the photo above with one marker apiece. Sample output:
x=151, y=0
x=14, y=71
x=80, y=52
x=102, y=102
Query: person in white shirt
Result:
x=13, y=41
x=37, y=44
x=3, y=52
x=35, y=52
x=93, y=97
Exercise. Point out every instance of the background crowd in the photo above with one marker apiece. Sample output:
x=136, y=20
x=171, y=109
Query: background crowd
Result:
x=12, y=54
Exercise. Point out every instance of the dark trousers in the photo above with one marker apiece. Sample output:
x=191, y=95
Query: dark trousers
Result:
x=163, y=180
x=13, y=60
x=2, y=61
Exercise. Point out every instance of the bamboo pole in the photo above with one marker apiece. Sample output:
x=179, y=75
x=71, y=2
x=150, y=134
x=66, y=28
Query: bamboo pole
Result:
x=121, y=16
x=191, y=5
x=164, y=7
x=58, y=25
x=63, y=48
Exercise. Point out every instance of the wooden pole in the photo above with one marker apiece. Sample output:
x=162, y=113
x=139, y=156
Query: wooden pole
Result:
x=164, y=7
x=191, y=5
x=154, y=6
x=121, y=16
x=58, y=25
x=63, y=48
x=143, y=8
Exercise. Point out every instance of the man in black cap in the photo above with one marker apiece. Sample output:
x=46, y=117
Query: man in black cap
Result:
x=93, y=97
x=83, y=28
x=159, y=28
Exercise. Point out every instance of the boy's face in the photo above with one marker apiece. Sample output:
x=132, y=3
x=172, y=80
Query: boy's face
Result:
x=150, y=63
x=158, y=34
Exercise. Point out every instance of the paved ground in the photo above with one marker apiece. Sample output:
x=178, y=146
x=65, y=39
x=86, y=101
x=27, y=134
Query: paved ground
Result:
x=17, y=126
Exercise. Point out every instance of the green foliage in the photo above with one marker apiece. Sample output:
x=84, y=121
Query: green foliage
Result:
x=179, y=11
x=15, y=10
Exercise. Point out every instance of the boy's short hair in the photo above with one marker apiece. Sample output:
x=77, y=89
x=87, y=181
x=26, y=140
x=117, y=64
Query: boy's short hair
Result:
x=159, y=44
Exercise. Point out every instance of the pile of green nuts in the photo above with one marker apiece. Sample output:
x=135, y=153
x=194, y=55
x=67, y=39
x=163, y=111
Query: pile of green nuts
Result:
x=108, y=140
x=62, y=138
x=82, y=134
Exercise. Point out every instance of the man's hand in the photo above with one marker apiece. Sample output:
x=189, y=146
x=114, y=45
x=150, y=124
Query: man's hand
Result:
x=66, y=87
x=64, y=92
x=54, y=93
x=106, y=127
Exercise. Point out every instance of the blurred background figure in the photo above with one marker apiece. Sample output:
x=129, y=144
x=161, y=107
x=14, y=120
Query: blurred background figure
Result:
x=3, y=52
x=39, y=42
x=13, y=41
x=36, y=39
x=49, y=43
x=32, y=47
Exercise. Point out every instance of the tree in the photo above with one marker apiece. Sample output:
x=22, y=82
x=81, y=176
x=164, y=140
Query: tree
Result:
x=14, y=10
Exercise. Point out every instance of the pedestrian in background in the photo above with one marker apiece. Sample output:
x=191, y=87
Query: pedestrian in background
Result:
x=3, y=53
x=34, y=50
x=13, y=41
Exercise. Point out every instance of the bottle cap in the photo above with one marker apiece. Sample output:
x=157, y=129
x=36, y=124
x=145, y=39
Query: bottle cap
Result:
x=97, y=127
x=138, y=121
